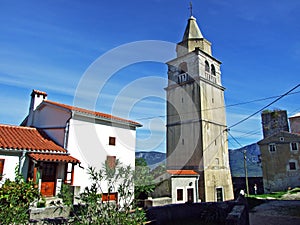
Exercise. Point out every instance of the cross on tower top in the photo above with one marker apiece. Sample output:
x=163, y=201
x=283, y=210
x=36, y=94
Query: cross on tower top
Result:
x=191, y=9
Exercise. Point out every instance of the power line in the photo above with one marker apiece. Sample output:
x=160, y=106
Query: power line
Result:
x=227, y=106
x=258, y=111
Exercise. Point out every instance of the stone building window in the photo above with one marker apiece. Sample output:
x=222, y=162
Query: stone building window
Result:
x=272, y=147
x=281, y=139
x=292, y=165
x=294, y=146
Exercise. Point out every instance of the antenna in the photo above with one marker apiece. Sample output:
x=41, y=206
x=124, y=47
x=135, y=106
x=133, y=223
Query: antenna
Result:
x=191, y=9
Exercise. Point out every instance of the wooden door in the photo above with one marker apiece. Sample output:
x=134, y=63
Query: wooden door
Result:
x=48, y=179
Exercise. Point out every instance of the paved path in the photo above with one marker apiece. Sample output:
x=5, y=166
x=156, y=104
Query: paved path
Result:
x=275, y=212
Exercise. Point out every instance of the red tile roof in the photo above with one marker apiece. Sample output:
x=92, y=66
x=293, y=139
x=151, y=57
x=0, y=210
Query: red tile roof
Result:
x=93, y=113
x=53, y=157
x=26, y=138
x=182, y=172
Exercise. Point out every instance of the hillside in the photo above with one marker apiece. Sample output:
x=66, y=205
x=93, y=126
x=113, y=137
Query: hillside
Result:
x=152, y=158
x=236, y=161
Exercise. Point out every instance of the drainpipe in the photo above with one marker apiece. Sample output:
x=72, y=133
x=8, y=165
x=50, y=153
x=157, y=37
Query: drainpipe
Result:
x=196, y=188
x=66, y=137
x=21, y=161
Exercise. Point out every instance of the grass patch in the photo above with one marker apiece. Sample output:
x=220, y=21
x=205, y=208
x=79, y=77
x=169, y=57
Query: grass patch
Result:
x=275, y=195
x=294, y=191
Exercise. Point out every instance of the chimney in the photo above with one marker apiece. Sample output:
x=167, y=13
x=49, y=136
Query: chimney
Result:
x=37, y=97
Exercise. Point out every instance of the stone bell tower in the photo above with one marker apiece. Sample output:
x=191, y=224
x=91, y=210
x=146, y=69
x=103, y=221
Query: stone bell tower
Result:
x=196, y=119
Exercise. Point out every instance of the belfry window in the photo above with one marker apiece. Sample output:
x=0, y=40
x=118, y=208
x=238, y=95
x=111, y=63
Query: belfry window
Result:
x=213, y=70
x=183, y=67
x=206, y=67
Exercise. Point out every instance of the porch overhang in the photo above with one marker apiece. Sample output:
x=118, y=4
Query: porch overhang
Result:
x=53, y=158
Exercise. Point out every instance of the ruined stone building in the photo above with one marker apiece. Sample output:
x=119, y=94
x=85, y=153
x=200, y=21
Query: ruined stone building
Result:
x=280, y=153
x=197, y=149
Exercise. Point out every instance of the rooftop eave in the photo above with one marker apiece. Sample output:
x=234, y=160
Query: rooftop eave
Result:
x=47, y=151
x=91, y=116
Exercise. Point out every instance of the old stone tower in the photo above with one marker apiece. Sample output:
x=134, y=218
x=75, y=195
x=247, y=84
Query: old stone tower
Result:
x=196, y=120
x=274, y=121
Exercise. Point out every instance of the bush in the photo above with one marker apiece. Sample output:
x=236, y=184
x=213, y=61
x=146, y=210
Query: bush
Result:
x=94, y=210
x=15, y=199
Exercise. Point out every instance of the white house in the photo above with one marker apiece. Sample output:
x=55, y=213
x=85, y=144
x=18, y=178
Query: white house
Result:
x=89, y=136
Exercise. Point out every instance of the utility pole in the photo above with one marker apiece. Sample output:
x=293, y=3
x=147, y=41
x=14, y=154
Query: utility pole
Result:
x=246, y=171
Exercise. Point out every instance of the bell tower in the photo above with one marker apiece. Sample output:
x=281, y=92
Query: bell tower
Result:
x=196, y=119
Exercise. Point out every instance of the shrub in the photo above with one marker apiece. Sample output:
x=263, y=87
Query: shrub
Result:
x=15, y=199
x=95, y=210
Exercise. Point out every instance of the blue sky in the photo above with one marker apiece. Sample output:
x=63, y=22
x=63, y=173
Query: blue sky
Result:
x=50, y=45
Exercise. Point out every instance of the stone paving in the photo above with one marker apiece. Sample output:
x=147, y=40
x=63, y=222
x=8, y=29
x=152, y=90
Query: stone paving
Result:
x=276, y=212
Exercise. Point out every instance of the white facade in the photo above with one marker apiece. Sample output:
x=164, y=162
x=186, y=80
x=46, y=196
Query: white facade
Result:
x=86, y=136
x=89, y=142
x=10, y=164
x=184, y=189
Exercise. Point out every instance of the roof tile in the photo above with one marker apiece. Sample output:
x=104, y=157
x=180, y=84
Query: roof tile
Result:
x=182, y=172
x=26, y=138
x=53, y=157
x=94, y=113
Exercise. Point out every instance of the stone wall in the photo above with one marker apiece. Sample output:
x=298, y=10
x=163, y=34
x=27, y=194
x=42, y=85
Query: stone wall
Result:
x=212, y=213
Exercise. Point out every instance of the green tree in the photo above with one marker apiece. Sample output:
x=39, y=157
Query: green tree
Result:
x=144, y=181
x=15, y=199
x=94, y=209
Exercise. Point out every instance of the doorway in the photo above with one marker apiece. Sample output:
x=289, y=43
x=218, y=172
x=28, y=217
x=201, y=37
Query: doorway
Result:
x=190, y=195
x=219, y=193
x=48, y=179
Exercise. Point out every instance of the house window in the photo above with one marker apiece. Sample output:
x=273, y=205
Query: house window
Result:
x=1, y=168
x=292, y=165
x=112, y=141
x=179, y=194
x=272, y=147
x=294, y=146
x=111, y=161
x=106, y=197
